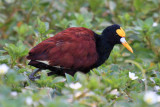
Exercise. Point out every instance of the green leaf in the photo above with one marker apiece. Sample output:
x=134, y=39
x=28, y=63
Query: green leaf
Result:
x=69, y=78
x=16, y=51
x=58, y=80
x=138, y=4
x=42, y=26
x=4, y=57
x=149, y=21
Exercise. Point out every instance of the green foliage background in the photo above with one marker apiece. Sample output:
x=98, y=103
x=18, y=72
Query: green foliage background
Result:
x=25, y=23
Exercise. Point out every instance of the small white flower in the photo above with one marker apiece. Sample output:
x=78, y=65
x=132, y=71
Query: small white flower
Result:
x=3, y=69
x=114, y=92
x=157, y=88
x=75, y=85
x=155, y=24
x=143, y=79
x=29, y=101
x=132, y=76
x=150, y=97
x=14, y=93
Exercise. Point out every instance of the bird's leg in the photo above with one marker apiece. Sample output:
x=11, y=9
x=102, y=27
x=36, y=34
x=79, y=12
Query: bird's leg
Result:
x=55, y=73
x=31, y=76
x=61, y=72
x=51, y=73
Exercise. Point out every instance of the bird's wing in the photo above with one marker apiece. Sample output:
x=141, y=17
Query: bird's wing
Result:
x=72, y=48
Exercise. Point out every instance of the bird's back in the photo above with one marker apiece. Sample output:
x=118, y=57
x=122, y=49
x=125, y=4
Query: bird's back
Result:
x=73, y=48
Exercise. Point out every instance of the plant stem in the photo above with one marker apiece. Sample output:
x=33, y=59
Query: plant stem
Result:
x=142, y=70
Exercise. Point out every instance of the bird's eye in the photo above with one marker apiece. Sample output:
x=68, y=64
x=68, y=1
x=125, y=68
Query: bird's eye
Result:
x=116, y=34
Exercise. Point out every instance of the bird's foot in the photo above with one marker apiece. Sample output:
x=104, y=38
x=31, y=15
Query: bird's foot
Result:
x=31, y=77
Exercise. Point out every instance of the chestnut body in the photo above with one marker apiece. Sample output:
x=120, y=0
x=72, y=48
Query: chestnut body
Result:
x=74, y=49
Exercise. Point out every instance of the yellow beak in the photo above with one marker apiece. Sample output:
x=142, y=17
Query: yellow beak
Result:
x=125, y=44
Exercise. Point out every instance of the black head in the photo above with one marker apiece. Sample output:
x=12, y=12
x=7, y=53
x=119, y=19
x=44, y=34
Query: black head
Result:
x=111, y=34
x=114, y=34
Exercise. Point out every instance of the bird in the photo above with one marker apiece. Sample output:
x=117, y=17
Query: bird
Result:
x=75, y=49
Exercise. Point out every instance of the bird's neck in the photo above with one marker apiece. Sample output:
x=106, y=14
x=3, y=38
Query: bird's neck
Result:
x=104, y=48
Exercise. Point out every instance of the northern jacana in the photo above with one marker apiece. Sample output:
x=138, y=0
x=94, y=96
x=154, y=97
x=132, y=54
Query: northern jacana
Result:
x=75, y=49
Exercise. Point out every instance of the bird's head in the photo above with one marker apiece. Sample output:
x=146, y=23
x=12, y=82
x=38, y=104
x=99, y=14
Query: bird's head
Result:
x=116, y=35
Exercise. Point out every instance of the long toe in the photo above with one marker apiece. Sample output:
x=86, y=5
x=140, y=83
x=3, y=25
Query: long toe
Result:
x=31, y=77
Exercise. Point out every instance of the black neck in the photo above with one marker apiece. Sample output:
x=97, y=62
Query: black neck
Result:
x=104, y=48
